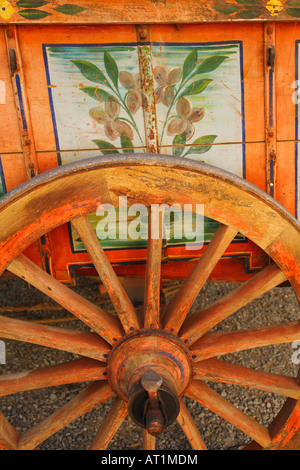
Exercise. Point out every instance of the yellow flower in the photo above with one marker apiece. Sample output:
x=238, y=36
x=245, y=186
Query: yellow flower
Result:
x=6, y=10
x=274, y=7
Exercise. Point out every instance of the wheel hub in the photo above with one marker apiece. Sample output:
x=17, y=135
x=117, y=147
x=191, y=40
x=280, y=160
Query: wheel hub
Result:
x=150, y=369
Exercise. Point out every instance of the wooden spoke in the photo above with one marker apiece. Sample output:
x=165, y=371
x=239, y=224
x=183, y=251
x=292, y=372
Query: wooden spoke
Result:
x=110, y=425
x=9, y=437
x=91, y=397
x=76, y=342
x=221, y=371
x=118, y=296
x=215, y=344
x=97, y=319
x=214, y=402
x=81, y=370
x=200, y=322
x=153, y=270
x=181, y=303
x=189, y=428
x=149, y=441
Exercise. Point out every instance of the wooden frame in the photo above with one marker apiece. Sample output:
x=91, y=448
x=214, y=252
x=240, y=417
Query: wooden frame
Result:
x=146, y=11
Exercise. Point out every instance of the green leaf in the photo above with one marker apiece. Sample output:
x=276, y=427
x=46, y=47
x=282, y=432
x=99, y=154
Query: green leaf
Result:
x=69, y=9
x=106, y=147
x=33, y=4
x=293, y=3
x=196, y=87
x=34, y=14
x=111, y=68
x=249, y=14
x=210, y=64
x=227, y=9
x=90, y=71
x=126, y=143
x=98, y=93
x=179, y=139
x=198, y=146
x=295, y=12
x=248, y=2
x=189, y=63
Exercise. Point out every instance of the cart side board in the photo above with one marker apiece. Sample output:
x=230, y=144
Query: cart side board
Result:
x=148, y=11
x=250, y=123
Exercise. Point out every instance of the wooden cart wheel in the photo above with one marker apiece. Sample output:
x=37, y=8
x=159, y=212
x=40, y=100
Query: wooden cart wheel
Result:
x=149, y=366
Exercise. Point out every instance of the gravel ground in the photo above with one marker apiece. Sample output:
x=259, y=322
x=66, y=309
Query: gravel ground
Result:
x=26, y=409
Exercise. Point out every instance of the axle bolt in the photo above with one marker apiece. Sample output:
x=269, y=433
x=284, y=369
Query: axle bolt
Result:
x=154, y=418
x=155, y=422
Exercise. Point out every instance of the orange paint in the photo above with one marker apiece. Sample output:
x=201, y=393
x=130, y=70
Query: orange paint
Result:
x=39, y=216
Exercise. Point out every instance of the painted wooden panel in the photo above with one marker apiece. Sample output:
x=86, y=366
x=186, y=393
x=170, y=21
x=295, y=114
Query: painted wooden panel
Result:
x=196, y=106
x=9, y=124
x=64, y=92
x=13, y=168
x=147, y=11
x=10, y=141
x=209, y=73
x=286, y=83
x=92, y=108
x=94, y=86
x=231, y=59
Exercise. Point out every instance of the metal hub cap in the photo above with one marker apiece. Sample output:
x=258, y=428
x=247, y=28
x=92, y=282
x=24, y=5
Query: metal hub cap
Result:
x=150, y=369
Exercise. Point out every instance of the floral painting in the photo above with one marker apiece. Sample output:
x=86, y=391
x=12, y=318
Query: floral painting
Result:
x=31, y=10
x=200, y=106
x=95, y=94
x=97, y=97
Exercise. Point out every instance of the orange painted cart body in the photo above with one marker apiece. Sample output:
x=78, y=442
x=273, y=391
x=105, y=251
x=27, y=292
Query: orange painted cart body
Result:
x=54, y=108
x=42, y=115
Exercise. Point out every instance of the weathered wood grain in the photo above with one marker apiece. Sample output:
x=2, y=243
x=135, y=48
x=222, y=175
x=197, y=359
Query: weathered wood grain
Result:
x=181, y=303
x=207, y=397
x=85, y=401
x=151, y=11
x=80, y=370
x=114, y=288
x=189, y=428
x=110, y=425
x=214, y=344
x=153, y=270
x=202, y=321
x=76, y=342
x=8, y=435
x=96, y=318
x=221, y=371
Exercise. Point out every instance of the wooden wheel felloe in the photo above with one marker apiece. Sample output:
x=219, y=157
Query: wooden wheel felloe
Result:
x=148, y=365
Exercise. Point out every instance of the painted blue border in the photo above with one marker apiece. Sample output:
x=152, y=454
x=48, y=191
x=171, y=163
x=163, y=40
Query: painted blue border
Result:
x=2, y=177
x=24, y=124
x=51, y=103
x=20, y=98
